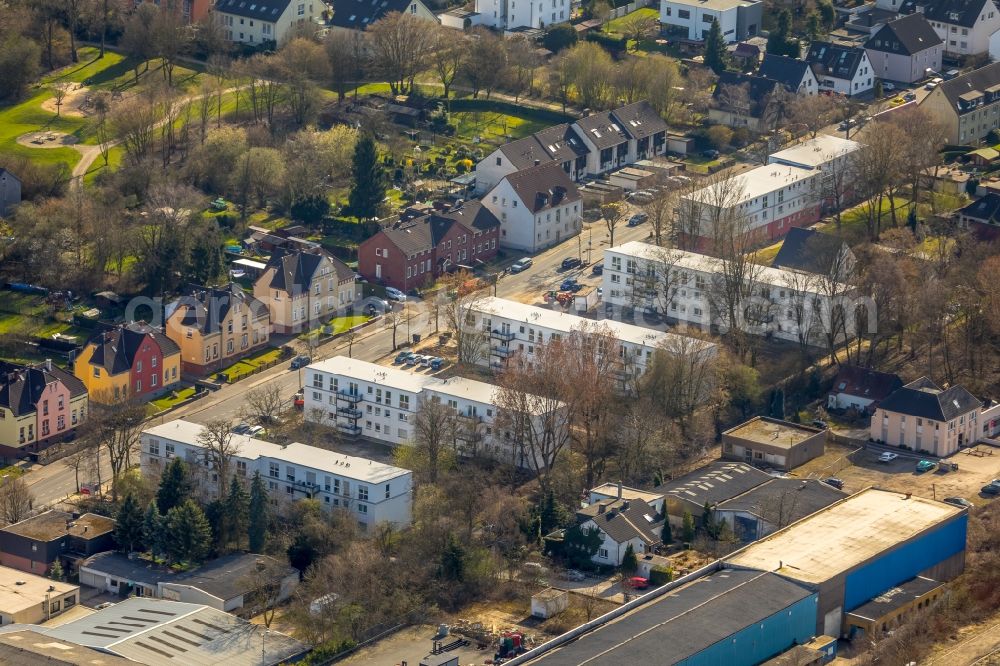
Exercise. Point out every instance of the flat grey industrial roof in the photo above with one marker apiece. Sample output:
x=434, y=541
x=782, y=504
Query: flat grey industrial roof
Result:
x=896, y=598
x=844, y=535
x=682, y=622
x=715, y=483
x=773, y=432
x=157, y=633
x=26, y=646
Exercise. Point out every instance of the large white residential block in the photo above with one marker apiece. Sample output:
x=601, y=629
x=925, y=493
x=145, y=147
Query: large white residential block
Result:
x=537, y=207
x=517, y=328
x=507, y=15
x=687, y=287
x=381, y=403
x=769, y=200
x=372, y=491
x=692, y=19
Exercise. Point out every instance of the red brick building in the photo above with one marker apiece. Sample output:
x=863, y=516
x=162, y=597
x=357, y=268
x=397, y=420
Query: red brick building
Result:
x=418, y=249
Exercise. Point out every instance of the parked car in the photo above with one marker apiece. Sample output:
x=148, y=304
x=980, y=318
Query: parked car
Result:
x=910, y=96
x=950, y=74
x=425, y=361
x=436, y=363
x=521, y=264
x=573, y=575
x=926, y=466
x=933, y=83
x=255, y=430
x=835, y=482
x=637, y=219
x=888, y=456
x=711, y=153
x=567, y=284
x=241, y=429
x=401, y=357
x=411, y=359
x=638, y=583
x=992, y=488
x=817, y=423
x=598, y=269
x=394, y=294
x=571, y=262
x=299, y=401
x=959, y=502
x=300, y=361
x=887, y=86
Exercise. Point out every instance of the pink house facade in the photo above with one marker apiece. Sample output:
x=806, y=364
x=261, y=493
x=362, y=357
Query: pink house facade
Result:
x=923, y=417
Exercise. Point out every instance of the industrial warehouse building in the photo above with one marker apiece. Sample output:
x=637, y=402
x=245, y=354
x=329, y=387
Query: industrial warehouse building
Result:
x=737, y=618
x=859, y=548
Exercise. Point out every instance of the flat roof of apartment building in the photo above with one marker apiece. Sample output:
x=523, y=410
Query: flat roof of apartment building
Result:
x=564, y=322
x=750, y=185
x=773, y=432
x=352, y=467
x=815, y=152
x=612, y=489
x=703, y=263
x=844, y=535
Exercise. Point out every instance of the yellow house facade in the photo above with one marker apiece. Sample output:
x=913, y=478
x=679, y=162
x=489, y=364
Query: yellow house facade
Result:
x=215, y=327
x=130, y=361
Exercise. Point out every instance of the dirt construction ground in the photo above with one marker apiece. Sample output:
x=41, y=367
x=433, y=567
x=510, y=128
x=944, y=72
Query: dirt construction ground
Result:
x=861, y=469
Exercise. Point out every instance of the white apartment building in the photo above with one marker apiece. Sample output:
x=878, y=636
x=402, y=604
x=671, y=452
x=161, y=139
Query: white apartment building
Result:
x=250, y=22
x=507, y=15
x=684, y=287
x=692, y=19
x=381, y=403
x=537, y=207
x=373, y=492
x=772, y=198
x=517, y=328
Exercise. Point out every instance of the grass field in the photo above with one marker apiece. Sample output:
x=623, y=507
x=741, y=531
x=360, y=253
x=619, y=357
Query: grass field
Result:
x=172, y=398
x=112, y=72
x=617, y=26
x=249, y=365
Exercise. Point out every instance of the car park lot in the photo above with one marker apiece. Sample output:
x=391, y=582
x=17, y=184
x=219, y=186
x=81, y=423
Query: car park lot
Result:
x=861, y=468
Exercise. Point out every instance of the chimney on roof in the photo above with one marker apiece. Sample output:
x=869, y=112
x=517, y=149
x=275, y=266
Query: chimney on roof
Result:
x=48, y=365
x=625, y=505
x=909, y=495
x=537, y=162
x=601, y=508
x=619, y=490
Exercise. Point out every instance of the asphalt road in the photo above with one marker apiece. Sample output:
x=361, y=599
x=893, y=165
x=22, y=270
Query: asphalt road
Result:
x=56, y=481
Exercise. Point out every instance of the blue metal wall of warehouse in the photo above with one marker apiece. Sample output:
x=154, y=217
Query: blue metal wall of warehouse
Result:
x=762, y=640
x=902, y=564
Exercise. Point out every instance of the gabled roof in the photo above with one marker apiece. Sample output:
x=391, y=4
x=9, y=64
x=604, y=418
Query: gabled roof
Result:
x=359, y=14
x=962, y=13
x=976, y=81
x=758, y=91
x=9, y=174
x=639, y=119
x=835, y=60
x=624, y=520
x=925, y=399
x=115, y=349
x=21, y=386
x=865, y=382
x=423, y=233
x=207, y=307
x=543, y=187
x=908, y=35
x=263, y=10
x=789, y=71
x=602, y=129
x=295, y=270
x=986, y=209
x=809, y=251
x=560, y=143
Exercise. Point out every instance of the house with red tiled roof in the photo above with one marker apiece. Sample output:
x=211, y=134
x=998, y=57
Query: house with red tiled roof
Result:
x=132, y=360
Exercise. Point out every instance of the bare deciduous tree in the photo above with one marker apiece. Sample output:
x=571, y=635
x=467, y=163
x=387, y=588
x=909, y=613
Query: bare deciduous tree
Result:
x=118, y=423
x=399, y=46
x=263, y=405
x=16, y=501
x=464, y=293
x=217, y=450
x=613, y=214
x=434, y=430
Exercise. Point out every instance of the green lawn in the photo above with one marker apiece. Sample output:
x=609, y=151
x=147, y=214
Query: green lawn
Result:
x=116, y=156
x=491, y=126
x=173, y=398
x=249, y=365
x=617, y=25
x=339, y=324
